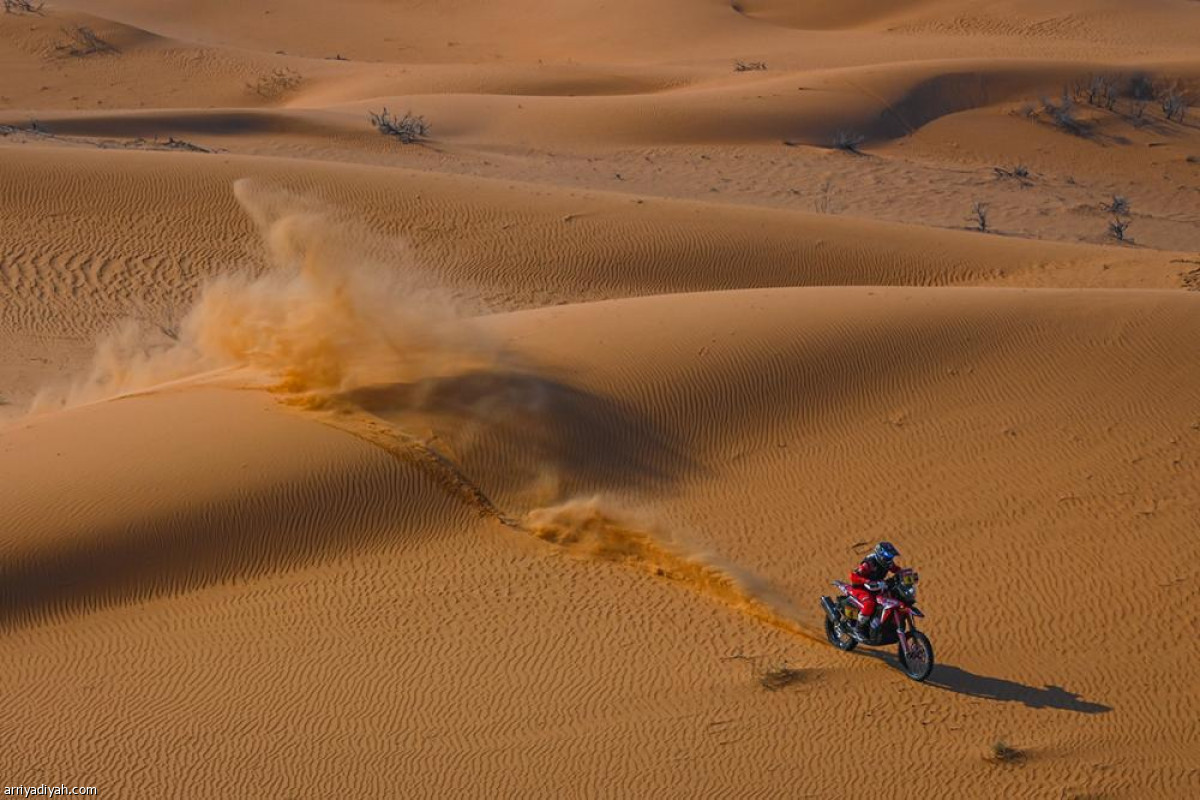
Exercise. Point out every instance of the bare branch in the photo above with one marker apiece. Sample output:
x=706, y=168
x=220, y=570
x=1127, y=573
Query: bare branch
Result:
x=979, y=215
x=23, y=7
x=409, y=129
x=848, y=141
x=83, y=41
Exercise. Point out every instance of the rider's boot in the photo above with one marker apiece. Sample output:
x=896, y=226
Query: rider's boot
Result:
x=863, y=631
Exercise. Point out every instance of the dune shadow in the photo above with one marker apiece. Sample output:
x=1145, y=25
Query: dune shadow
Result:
x=514, y=427
x=960, y=681
x=187, y=123
x=291, y=525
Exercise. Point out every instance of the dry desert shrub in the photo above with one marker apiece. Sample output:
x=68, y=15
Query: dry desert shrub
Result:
x=1191, y=282
x=1117, y=228
x=1119, y=208
x=848, y=141
x=749, y=66
x=979, y=216
x=1098, y=90
x=1019, y=173
x=1141, y=87
x=409, y=129
x=1174, y=105
x=23, y=7
x=275, y=84
x=1062, y=114
x=1137, y=110
x=82, y=41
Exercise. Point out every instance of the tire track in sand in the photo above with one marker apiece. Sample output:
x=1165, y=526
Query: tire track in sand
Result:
x=587, y=529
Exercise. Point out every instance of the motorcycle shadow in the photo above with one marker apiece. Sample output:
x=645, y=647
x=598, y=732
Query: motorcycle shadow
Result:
x=960, y=681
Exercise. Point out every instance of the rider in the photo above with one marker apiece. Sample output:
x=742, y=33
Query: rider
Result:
x=868, y=578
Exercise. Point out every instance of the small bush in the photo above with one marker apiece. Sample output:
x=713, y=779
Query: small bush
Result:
x=1117, y=228
x=1191, y=282
x=171, y=143
x=749, y=66
x=1062, y=114
x=409, y=129
x=1174, y=105
x=1002, y=752
x=979, y=216
x=1141, y=88
x=1118, y=206
x=1101, y=91
x=83, y=41
x=22, y=7
x=1020, y=173
x=1120, y=210
x=849, y=141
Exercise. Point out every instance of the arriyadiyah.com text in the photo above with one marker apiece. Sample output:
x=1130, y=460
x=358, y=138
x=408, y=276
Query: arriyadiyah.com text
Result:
x=43, y=790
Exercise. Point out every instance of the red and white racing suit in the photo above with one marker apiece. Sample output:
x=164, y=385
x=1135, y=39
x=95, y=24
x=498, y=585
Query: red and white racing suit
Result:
x=869, y=570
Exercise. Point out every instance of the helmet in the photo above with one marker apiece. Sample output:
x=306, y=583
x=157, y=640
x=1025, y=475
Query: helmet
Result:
x=886, y=552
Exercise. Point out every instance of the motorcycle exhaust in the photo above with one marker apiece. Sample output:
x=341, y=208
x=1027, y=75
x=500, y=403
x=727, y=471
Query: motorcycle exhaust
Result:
x=831, y=610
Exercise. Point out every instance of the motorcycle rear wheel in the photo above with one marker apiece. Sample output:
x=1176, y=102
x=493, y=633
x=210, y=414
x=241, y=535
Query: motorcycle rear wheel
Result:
x=918, y=662
x=838, y=638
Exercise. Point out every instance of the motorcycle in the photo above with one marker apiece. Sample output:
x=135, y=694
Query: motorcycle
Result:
x=893, y=623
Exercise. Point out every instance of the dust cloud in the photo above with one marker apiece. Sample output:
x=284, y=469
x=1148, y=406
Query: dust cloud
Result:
x=322, y=319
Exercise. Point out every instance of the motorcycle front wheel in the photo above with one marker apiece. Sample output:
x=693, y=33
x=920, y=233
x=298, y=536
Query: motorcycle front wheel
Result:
x=917, y=663
x=839, y=638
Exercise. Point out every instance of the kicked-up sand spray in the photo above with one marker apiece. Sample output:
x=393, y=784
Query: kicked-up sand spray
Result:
x=321, y=319
x=595, y=528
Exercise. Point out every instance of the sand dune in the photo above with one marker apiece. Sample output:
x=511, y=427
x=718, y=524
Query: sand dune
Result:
x=514, y=462
x=766, y=400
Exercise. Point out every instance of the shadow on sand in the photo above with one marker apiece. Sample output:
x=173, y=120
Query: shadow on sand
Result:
x=959, y=680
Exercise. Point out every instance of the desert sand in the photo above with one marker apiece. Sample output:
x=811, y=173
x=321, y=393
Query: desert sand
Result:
x=511, y=461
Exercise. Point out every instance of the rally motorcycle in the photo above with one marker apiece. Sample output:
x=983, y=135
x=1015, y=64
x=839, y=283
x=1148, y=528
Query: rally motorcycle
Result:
x=895, y=610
